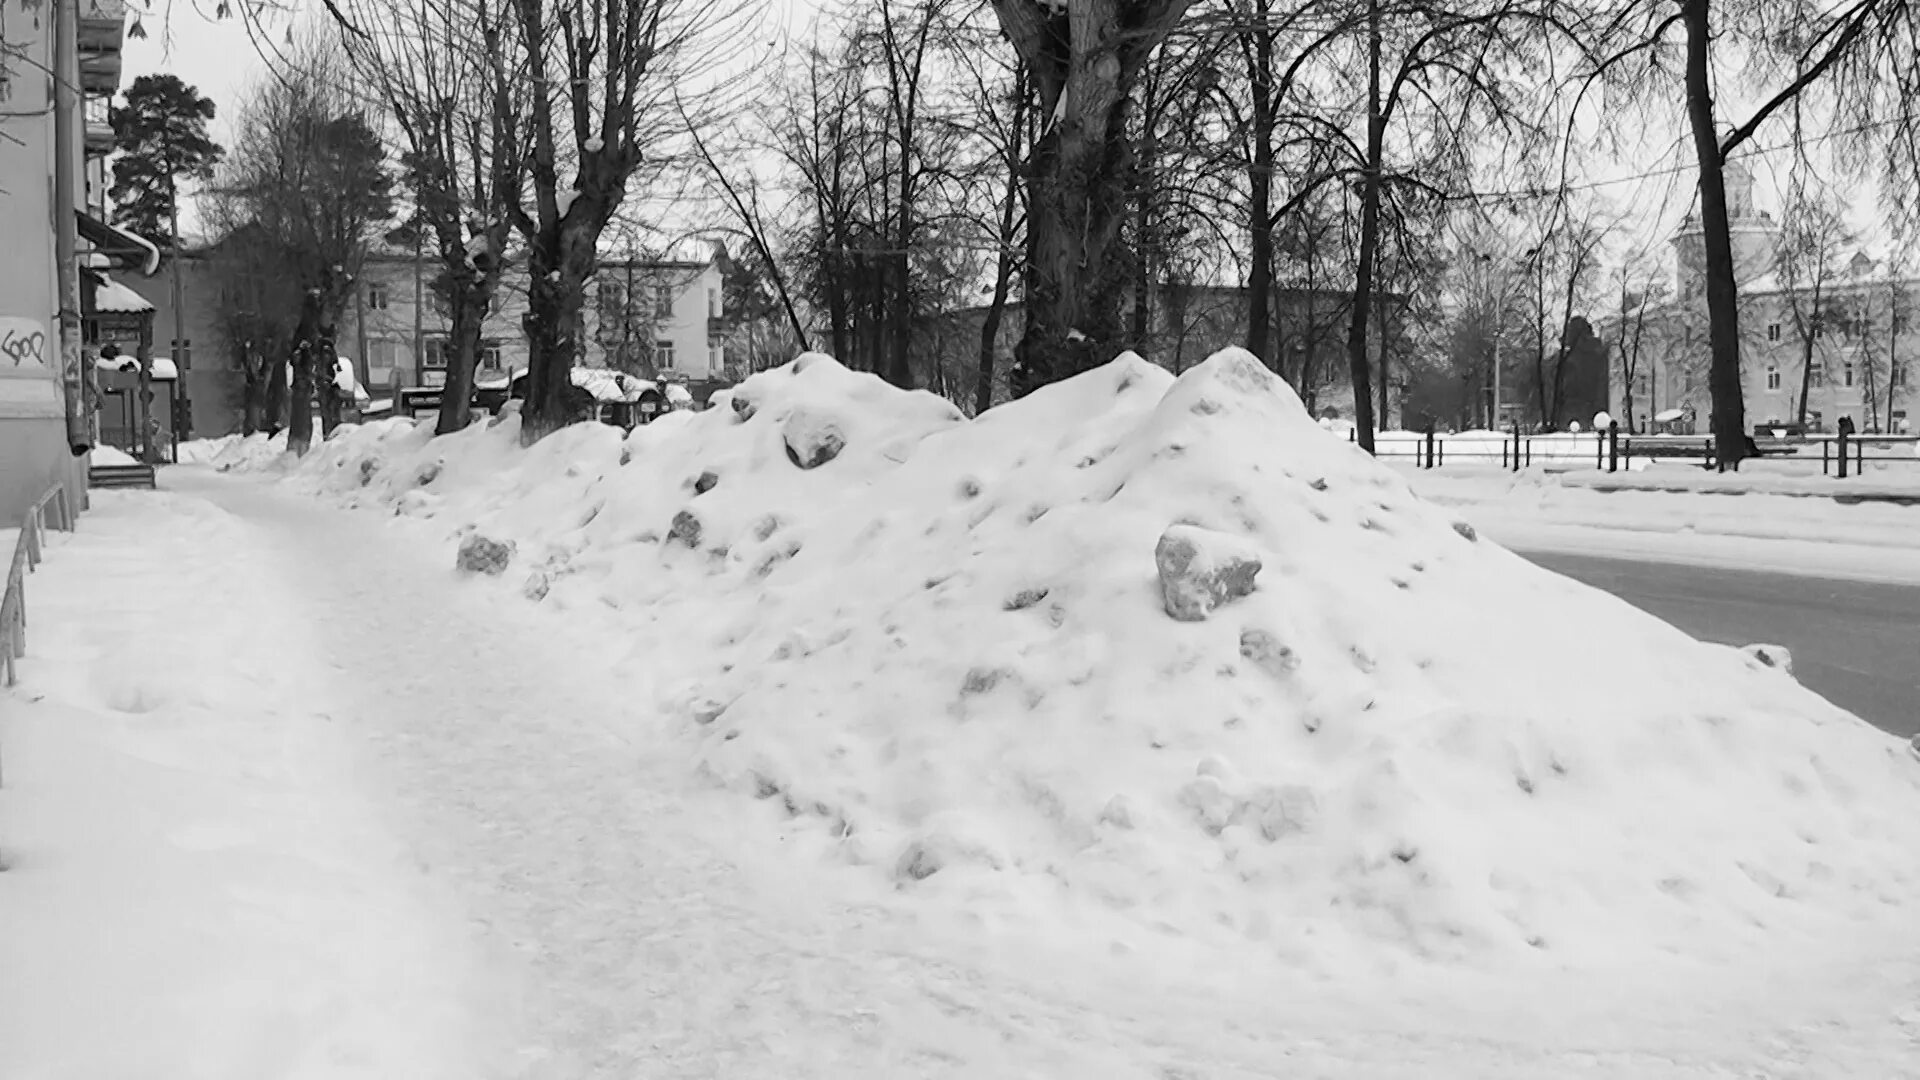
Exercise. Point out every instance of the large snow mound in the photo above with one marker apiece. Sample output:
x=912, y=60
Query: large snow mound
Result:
x=940, y=650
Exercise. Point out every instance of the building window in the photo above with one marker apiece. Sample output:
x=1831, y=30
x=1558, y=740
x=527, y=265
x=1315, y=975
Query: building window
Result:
x=713, y=303
x=612, y=299
x=377, y=298
x=436, y=354
x=1846, y=372
x=183, y=353
x=1773, y=378
x=1816, y=372
x=491, y=360
x=663, y=355
x=1814, y=421
x=1642, y=385
x=716, y=357
x=1897, y=375
x=1773, y=331
x=663, y=301
x=383, y=356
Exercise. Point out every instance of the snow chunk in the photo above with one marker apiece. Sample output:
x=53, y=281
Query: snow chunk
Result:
x=813, y=438
x=594, y=145
x=1772, y=656
x=1201, y=570
x=563, y=200
x=482, y=555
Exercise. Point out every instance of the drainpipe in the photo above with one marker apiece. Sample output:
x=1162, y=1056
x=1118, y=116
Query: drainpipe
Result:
x=66, y=240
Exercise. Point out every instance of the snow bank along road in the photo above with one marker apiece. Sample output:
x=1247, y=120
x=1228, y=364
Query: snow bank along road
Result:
x=1856, y=643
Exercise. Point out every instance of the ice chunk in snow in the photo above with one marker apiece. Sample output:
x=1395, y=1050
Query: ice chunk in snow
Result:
x=1201, y=569
x=813, y=437
x=482, y=555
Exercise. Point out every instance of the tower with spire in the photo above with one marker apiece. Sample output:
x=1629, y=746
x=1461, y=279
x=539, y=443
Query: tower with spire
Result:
x=1754, y=233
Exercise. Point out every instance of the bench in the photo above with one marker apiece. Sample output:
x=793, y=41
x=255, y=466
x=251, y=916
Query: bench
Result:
x=1664, y=449
x=120, y=476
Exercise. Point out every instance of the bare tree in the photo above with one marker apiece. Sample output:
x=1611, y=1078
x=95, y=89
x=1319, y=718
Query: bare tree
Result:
x=1858, y=62
x=609, y=79
x=1640, y=291
x=1812, y=237
x=1083, y=61
x=308, y=175
x=439, y=68
x=1438, y=82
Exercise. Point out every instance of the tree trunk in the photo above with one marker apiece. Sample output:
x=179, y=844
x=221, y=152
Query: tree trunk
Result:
x=558, y=268
x=1260, y=198
x=1383, y=350
x=1723, y=303
x=300, y=390
x=276, y=395
x=253, y=398
x=990, y=326
x=1369, y=241
x=1074, y=272
x=1083, y=62
x=327, y=367
x=1004, y=263
x=468, y=311
x=1806, y=371
x=149, y=453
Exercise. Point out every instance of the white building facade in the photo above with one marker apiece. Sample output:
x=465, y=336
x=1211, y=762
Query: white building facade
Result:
x=1845, y=349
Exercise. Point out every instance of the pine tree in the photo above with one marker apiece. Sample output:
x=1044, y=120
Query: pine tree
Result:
x=161, y=133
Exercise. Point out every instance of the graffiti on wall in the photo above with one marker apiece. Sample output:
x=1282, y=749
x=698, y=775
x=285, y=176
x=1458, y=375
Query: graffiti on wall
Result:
x=23, y=343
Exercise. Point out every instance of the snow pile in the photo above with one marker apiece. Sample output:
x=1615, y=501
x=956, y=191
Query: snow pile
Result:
x=941, y=650
x=105, y=455
x=203, y=451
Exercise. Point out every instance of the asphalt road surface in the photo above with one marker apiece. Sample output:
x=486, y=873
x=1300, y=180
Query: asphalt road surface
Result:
x=1855, y=643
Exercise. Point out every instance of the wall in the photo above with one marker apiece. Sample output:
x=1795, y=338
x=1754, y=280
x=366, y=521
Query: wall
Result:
x=33, y=440
x=381, y=316
x=1674, y=358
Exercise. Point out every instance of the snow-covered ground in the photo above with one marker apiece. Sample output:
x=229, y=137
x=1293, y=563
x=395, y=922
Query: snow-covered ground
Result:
x=827, y=734
x=1719, y=524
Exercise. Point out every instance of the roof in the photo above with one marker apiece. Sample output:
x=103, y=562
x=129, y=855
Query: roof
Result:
x=117, y=243
x=605, y=384
x=163, y=369
x=111, y=296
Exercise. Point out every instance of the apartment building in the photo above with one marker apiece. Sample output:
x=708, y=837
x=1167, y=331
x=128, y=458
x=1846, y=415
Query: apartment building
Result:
x=60, y=65
x=658, y=318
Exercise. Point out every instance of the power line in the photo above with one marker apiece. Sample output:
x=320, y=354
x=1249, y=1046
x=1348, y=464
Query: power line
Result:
x=1517, y=194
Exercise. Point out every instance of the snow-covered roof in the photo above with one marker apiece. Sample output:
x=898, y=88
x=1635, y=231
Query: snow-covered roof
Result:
x=163, y=367
x=111, y=296
x=607, y=385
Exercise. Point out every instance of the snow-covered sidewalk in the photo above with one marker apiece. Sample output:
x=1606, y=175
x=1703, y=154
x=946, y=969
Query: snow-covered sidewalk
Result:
x=1716, y=525
x=284, y=798
x=195, y=885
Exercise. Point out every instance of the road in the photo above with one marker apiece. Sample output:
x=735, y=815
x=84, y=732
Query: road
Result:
x=1856, y=643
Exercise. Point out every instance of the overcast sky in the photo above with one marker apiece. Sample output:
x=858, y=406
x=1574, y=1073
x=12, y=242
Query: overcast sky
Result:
x=221, y=58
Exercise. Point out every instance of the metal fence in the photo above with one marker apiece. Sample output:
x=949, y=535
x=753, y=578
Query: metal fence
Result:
x=1841, y=455
x=52, y=508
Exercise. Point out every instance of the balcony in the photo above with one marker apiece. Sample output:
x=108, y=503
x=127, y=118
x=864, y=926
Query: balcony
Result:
x=101, y=31
x=99, y=132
